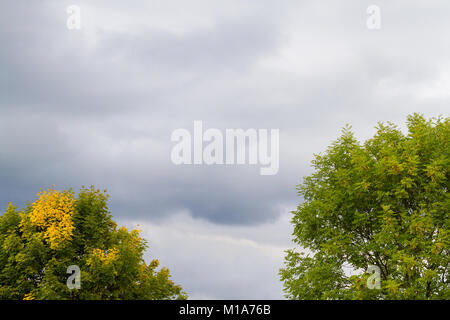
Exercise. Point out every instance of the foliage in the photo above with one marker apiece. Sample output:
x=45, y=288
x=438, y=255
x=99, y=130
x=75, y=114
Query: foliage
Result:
x=384, y=203
x=39, y=243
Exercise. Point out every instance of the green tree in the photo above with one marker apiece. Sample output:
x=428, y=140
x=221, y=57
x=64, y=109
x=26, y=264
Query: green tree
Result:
x=383, y=203
x=58, y=230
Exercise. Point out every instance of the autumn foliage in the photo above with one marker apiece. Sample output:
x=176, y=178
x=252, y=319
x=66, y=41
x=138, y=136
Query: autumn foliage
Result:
x=60, y=229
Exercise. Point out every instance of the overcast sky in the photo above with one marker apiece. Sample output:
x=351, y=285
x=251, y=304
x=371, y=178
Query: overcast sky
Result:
x=97, y=106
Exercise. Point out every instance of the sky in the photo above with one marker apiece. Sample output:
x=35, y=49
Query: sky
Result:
x=97, y=106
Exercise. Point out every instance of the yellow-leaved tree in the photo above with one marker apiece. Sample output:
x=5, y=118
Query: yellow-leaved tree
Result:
x=61, y=232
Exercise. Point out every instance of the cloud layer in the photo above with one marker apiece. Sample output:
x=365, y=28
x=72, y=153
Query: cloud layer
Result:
x=98, y=106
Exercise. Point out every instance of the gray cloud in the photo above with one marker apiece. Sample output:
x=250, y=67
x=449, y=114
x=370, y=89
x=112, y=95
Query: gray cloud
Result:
x=98, y=106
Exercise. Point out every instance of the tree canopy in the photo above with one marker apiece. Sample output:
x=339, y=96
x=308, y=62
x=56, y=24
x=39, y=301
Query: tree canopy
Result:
x=60, y=229
x=382, y=203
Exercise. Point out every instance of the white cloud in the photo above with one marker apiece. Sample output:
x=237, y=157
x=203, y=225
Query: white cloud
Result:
x=213, y=261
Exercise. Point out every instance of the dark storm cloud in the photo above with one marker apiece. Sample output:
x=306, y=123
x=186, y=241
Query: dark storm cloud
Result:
x=59, y=94
x=98, y=106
